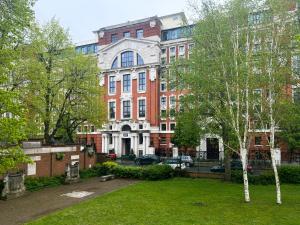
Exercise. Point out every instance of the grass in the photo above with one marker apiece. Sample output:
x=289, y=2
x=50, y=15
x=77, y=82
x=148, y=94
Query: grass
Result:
x=183, y=201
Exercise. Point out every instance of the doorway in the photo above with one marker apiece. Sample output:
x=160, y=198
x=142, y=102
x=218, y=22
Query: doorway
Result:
x=212, y=148
x=126, y=146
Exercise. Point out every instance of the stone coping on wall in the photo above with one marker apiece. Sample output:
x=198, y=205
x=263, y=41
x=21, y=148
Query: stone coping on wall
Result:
x=44, y=150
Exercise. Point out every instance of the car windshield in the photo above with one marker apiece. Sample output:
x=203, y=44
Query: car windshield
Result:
x=171, y=161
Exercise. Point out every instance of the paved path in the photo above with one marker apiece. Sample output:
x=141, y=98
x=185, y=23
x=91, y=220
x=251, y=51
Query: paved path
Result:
x=36, y=204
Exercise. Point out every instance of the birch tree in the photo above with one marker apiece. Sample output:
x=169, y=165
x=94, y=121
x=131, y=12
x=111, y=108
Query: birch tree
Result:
x=274, y=39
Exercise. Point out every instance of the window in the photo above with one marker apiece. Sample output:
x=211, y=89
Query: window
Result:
x=163, y=74
x=79, y=129
x=115, y=63
x=191, y=46
x=163, y=61
x=92, y=129
x=112, y=85
x=163, y=51
x=163, y=101
x=142, y=108
x=141, y=126
x=140, y=60
x=126, y=109
x=126, y=34
x=163, y=127
x=296, y=65
x=172, y=50
x=172, y=112
x=181, y=50
x=257, y=140
x=296, y=95
x=126, y=83
x=141, y=140
x=163, y=86
x=163, y=113
x=172, y=101
x=142, y=81
x=112, y=110
x=255, y=18
x=172, y=58
x=139, y=33
x=85, y=129
x=127, y=59
x=172, y=126
x=114, y=38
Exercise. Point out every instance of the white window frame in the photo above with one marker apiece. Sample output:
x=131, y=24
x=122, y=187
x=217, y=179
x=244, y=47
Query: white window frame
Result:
x=122, y=83
x=138, y=82
x=160, y=127
x=181, y=53
x=138, y=108
x=112, y=93
x=166, y=85
x=160, y=102
x=172, y=106
x=122, y=116
x=108, y=112
x=170, y=126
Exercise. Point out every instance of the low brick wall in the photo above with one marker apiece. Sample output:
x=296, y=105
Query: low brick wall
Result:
x=46, y=163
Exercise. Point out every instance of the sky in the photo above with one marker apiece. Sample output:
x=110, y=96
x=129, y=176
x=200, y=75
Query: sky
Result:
x=82, y=17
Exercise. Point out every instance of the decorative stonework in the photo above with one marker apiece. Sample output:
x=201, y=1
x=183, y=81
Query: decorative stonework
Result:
x=152, y=23
x=152, y=74
x=72, y=173
x=13, y=186
x=101, y=80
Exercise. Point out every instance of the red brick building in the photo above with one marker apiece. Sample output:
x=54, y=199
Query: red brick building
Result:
x=141, y=99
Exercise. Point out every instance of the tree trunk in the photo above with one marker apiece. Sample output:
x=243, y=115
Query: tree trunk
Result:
x=245, y=175
x=227, y=160
x=277, y=181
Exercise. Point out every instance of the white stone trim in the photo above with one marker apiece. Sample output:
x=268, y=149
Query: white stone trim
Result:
x=44, y=150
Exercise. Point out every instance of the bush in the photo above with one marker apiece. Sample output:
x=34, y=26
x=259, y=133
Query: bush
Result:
x=96, y=171
x=110, y=165
x=287, y=174
x=157, y=172
x=154, y=172
x=290, y=174
x=127, y=172
x=34, y=184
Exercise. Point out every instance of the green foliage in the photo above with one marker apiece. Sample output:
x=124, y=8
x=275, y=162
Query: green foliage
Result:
x=96, y=171
x=60, y=156
x=109, y=164
x=157, y=172
x=34, y=184
x=153, y=172
x=287, y=174
x=15, y=19
x=62, y=91
x=290, y=126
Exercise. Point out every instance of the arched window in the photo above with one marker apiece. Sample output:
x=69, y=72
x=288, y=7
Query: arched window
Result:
x=127, y=59
x=126, y=128
x=140, y=60
x=115, y=63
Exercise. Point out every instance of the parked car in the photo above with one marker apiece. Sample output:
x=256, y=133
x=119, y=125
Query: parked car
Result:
x=235, y=165
x=187, y=160
x=112, y=156
x=176, y=164
x=147, y=160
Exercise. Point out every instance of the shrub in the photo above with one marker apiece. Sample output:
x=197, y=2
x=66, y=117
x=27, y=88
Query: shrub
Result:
x=157, y=172
x=34, y=184
x=287, y=174
x=127, y=172
x=110, y=165
x=290, y=174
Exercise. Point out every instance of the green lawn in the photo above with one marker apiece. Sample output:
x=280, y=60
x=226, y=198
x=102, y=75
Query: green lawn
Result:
x=183, y=201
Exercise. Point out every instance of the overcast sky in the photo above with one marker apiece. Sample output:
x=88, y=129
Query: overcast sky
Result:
x=84, y=16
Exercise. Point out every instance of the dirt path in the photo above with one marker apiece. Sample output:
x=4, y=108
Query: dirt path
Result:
x=36, y=204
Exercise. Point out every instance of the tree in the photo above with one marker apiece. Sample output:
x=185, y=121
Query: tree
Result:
x=187, y=131
x=15, y=19
x=290, y=127
x=62, y=92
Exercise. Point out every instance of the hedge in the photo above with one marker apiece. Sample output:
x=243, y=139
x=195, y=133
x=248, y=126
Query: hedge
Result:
x=287, y=174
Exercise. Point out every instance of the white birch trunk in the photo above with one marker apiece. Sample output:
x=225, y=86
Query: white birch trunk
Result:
x=245, y=175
